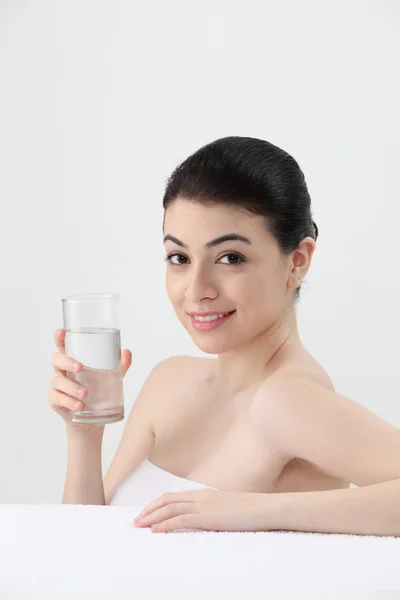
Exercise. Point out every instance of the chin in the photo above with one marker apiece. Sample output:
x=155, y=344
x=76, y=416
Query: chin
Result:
x=210, y=342
x=208, y=349
x=211, y=346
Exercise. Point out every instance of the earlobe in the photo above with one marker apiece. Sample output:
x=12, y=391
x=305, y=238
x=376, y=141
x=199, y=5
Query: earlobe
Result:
x=297, y=281
x=302, y=259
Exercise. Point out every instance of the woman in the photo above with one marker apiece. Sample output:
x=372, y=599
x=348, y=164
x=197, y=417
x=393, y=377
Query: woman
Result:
x=256, y=439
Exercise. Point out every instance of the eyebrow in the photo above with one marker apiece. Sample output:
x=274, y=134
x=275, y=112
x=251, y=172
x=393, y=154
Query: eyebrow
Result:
x=219, y=240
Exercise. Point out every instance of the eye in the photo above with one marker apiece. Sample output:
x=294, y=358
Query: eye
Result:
x=236, y=257
x=169, y=258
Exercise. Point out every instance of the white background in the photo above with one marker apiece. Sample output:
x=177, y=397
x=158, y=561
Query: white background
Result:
x=100, y=100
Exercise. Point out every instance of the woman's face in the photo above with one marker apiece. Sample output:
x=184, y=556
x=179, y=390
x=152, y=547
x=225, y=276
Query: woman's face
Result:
x=249, y=278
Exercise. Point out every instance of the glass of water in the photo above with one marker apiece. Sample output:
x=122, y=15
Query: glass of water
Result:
x=92, y=337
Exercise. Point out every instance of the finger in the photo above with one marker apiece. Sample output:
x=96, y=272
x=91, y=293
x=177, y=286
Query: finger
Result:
x=171, y=497
x=69, y=387
x=126, y=360
x=61, y=361
x=59, y=339
x=192, y=521
x=167, y=512
x=58, y=399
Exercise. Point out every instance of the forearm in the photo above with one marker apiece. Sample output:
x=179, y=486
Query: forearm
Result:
x=84, y=479
x=369, y=510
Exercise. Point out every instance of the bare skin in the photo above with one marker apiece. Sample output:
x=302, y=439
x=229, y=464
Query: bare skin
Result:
x=212, y=426
x=215, y=421
x=205, y=437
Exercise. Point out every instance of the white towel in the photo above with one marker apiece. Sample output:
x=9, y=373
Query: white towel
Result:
x=69, y=552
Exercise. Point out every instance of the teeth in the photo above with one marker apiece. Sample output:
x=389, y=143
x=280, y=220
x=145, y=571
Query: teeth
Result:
x=210, y=317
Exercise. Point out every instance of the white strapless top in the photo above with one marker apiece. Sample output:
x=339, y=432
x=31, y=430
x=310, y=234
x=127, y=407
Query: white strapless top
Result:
x=147, y=482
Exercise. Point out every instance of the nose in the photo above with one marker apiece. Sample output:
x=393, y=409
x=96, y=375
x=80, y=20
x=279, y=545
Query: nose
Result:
x=199, y=286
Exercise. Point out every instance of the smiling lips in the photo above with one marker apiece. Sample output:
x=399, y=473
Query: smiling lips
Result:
x=204, y=313
x=208, y=321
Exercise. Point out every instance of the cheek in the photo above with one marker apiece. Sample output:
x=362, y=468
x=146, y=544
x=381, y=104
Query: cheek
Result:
x=248, y=287
x=259, y=294
x=175, y=290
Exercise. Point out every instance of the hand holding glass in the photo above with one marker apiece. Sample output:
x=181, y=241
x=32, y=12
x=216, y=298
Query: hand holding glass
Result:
x=93, y=338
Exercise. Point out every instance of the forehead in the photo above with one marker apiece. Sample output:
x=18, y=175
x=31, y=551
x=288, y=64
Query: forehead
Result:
x=192, y=220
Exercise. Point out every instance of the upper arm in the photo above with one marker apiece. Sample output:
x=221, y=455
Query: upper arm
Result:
x=137, y=439
x=335, y=433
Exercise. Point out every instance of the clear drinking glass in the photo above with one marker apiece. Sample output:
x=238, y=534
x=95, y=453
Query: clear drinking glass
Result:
x=93, y=338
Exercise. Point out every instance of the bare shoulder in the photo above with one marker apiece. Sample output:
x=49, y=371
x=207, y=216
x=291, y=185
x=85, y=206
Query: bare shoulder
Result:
x=332, y=432
x=177, y=374
x=152, y=403
x=169, y=365
x=178, y=379
x=306, y=368
x=274, y=401
x=286, y=383
x=297, y=397
x=186, y=365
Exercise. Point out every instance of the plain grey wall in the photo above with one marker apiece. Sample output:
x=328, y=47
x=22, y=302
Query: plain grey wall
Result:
x=100, y=101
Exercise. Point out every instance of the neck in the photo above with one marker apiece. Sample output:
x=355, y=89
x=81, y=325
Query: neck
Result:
x=244, y=366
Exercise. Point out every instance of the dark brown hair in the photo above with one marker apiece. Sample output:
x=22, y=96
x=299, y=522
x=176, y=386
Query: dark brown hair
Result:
x=253, y=175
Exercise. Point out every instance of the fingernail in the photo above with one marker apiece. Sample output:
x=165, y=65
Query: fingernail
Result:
x=75, y=366
x=78, y=405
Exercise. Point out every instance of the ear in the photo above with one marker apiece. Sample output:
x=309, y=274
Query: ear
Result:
x=301, y=259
